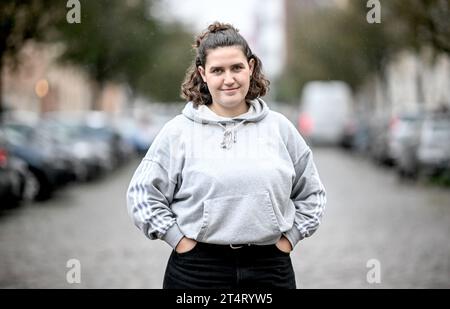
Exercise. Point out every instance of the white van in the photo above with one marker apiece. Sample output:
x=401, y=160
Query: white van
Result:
x=325, y=108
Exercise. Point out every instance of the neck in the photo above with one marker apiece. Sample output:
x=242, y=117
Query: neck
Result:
x=229, y=112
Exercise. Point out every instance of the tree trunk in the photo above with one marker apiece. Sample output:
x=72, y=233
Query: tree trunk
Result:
x=97, y=90
x=420, y=95
x=386, y=99
x=1, y=88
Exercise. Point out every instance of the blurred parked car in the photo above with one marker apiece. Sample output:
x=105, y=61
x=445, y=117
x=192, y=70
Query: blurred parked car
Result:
x=324, y=111
x=360, y=141
x=87, y=164
x=404, y=140
x=379, y=132
x=50, y=168
x=420, y=143
x=95, y=139
x=98, y=127
x=15, y=183
x=356, y=132
x=433, y=153
x=140, y=133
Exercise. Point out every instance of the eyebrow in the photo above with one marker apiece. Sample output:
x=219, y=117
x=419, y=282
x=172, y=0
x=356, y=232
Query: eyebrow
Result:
x=233, y=65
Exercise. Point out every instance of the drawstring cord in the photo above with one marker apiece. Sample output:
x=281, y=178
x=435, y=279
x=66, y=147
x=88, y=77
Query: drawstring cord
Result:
x=229, y=135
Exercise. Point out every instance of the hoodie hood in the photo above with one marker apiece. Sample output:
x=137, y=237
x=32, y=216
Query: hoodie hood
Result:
x=204, y=115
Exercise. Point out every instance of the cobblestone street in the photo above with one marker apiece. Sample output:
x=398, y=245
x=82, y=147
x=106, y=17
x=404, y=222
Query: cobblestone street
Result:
x=370, y=215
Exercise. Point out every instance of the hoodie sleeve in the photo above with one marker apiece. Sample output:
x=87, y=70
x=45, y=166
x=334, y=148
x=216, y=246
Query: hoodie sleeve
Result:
x=309, y=198
x=308, y=193
x=151, y=191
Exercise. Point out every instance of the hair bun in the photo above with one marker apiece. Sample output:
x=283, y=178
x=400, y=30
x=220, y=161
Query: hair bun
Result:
x=213, y=28
x=217, y=26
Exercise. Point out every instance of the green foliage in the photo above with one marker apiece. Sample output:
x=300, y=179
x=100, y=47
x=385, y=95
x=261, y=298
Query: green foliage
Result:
x=165, y=73
x=113, y=40
x=338, y=43
x=120, y=41
x=24, y=20
x=421, y=22
x=21, y=21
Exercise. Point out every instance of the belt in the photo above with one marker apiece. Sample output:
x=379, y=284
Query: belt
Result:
x=235, y=247
x=232, y=246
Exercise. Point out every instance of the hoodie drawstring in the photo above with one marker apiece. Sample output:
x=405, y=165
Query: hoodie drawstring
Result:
x=229, y=135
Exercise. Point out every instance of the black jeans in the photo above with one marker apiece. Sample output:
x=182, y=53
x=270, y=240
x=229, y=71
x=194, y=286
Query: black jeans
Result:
x=222, y=267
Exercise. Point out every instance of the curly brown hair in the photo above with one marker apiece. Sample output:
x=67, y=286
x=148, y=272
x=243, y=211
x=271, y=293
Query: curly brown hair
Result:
x=220, y=35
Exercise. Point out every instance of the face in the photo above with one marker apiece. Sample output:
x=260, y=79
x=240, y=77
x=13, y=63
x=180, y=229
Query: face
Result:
x=227, y=74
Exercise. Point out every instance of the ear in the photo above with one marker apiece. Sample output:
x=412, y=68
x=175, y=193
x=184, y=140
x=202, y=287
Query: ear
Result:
x=251, y=64
x=201, y=70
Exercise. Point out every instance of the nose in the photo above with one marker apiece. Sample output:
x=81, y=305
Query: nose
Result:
x=229, y=78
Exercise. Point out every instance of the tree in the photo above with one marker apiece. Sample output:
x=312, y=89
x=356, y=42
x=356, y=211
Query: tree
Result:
x=21, y=21
x=165, y=73
x=421, y=22
x=341, y=45
x=121, y=41
x=114, y=41
x=417, y=24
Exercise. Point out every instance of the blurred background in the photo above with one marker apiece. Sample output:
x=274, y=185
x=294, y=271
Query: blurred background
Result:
x=85, y=86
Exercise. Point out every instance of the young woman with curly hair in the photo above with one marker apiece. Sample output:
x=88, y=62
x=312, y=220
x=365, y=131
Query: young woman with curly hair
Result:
x=231, y=207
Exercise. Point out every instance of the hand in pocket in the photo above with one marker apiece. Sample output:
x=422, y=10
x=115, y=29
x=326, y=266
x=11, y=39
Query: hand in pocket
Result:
x=284, y=245
x=185, y=245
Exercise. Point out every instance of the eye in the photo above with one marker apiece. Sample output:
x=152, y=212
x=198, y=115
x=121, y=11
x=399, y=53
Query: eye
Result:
x=237, y=68
x=216, y=70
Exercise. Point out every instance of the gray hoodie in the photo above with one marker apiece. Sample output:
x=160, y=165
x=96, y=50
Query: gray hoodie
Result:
x=244, y=180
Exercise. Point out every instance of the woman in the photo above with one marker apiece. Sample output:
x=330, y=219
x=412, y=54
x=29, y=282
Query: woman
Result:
x=230, y=185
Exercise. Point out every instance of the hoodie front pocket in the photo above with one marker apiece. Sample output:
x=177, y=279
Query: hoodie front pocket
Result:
x=239, y=220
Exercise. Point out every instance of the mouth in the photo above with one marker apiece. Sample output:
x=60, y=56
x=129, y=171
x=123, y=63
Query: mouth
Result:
x=230, y=89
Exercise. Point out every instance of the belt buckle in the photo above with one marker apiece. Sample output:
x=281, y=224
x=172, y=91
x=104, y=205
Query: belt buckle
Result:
x=235, y=247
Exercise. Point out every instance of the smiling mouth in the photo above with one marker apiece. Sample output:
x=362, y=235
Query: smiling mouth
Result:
x=231, y=89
